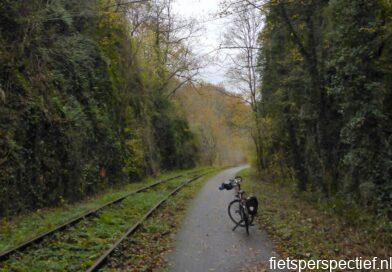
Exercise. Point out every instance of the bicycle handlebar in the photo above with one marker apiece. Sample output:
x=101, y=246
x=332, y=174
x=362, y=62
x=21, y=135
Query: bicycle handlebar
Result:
x=232, y=183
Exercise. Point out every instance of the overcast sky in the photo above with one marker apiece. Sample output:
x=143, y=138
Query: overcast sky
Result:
x=205, y=12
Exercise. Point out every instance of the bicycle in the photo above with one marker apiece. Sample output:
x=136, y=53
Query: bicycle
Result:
x=242, y=210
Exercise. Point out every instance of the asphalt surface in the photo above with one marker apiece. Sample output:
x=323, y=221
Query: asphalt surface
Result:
x=206, y=241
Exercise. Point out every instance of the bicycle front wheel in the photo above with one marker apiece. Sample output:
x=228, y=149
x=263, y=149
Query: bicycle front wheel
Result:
x=235, y=213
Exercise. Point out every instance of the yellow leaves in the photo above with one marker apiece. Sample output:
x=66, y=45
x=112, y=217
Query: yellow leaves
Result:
x=135, y=161
x=387, y=5
x=295, y=55
x=2, y=95
x=109, y=17
x=302, y=26
x=369, y=30
x=105, y=42
x=222, y=122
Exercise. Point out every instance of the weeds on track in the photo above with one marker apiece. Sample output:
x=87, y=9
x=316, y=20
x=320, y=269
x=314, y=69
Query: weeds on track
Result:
x=23, y=227
x=78, y=247
x=147, y=249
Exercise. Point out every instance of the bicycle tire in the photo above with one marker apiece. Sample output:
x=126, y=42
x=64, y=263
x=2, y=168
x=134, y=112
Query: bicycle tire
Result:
x=234, y=211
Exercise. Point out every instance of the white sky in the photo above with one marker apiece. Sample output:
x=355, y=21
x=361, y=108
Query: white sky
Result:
x=205, y=12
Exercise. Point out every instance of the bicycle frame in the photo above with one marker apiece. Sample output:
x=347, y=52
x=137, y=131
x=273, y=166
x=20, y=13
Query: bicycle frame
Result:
x=242, y=198
x=241, y=209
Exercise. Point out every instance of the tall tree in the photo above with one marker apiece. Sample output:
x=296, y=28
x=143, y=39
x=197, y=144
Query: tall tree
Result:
x=324, y=84
x=240, y=43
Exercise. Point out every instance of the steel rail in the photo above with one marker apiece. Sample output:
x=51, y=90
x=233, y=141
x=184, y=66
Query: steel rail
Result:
x=104, y=257
x=22, y=246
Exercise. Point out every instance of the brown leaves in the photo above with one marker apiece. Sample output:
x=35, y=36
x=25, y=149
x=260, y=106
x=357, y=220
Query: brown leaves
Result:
x=301, y=229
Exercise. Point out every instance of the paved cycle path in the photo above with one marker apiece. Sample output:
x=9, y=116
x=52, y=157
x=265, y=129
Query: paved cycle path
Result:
x=206, y=241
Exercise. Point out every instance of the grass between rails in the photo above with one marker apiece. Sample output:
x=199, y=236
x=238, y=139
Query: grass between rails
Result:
x=21, y=228
x=146, y=250
x=307, y=229
x=78, y=247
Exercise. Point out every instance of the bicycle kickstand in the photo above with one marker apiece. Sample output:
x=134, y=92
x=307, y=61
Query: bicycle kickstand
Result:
x=236, y=226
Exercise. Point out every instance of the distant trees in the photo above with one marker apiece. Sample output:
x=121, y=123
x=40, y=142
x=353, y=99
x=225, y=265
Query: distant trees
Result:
x=325, y=87
x=85, y=103
x=220, y=122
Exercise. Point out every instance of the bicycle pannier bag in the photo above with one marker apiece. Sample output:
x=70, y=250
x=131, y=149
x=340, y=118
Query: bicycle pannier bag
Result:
x=252, y=204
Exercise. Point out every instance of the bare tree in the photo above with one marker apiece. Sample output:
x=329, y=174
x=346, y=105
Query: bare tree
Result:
x=170, y=37
x=241, y=48
x=173, y=38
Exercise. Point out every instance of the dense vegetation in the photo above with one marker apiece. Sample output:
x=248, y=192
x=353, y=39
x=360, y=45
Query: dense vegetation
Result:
x=87, y=87
x=326, y=89
x=84, y=100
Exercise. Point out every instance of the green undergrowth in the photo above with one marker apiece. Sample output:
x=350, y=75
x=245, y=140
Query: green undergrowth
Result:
x=304, y=228
x=147, y=250
x=21, y=228
x=78, y=247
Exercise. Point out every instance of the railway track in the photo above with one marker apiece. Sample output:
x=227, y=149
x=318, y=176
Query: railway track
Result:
x=18, y=253
x=37, y=239
x=100, y=262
